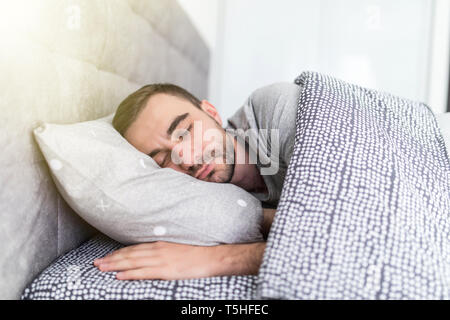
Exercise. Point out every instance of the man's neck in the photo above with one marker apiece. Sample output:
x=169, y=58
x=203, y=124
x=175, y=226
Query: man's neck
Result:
x=246, y=175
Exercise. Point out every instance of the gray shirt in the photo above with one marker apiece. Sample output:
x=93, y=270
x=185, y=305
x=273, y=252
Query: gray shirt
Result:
x=269, y=107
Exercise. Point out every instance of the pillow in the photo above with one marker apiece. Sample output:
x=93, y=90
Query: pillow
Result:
x=124, y=194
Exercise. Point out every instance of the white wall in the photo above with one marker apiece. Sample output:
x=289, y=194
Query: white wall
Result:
x=398, y=46
x=439, y=56
x=208, y=17
x=204, y=15
x=382, y=44
x=265, y=41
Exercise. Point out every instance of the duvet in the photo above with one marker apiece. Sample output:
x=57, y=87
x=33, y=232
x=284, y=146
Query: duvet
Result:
x=365, y=207
x=364, y=212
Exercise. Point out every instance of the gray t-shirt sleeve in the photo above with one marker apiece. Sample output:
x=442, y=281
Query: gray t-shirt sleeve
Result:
x=275, y=107
x=272, y=107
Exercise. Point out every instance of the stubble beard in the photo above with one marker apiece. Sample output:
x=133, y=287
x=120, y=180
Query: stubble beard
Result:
x=226, y=172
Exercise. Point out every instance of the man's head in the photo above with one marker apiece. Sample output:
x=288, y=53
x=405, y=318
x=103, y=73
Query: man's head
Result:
x=178, y=131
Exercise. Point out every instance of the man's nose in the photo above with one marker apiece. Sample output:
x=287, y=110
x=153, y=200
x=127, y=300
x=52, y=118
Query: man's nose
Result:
x=187, y=157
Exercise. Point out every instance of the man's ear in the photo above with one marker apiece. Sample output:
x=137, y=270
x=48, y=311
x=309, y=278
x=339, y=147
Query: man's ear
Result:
x=211, y=111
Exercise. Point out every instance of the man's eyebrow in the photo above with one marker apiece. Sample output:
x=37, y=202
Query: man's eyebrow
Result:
x=176, y=122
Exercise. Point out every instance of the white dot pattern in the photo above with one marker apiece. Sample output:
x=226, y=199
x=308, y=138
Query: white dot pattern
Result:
x=365, y=208
x=242, y=203
x=56, y=164
x=73, y=277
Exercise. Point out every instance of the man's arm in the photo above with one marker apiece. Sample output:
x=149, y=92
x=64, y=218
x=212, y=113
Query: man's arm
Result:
x=240, y=259
x=243, y=258
x=171, y=261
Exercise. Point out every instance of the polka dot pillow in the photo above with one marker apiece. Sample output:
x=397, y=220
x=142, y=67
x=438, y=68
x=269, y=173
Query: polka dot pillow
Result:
x=124, y=194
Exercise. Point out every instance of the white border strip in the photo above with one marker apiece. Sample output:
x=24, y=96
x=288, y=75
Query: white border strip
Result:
x=437, y=86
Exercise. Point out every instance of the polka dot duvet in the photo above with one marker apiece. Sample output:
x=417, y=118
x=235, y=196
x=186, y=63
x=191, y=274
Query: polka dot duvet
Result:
x=365, y=208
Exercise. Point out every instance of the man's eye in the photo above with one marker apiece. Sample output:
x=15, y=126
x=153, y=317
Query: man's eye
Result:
x=185, y=132
x=162, y=161
x=158, y=162
x=188, y=130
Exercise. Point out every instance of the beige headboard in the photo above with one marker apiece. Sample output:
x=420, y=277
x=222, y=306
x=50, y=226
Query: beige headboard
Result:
x=66, y=61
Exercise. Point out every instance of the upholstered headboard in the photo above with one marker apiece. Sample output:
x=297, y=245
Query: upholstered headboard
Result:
x=65, y=61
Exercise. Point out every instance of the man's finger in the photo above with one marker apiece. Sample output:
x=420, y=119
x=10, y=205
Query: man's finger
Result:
x=125, y=252
x=127, y=264
x=141, y=274
x=123, y=256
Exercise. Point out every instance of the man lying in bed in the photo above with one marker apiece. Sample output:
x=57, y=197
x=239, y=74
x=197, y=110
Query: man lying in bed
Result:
x=152, y=118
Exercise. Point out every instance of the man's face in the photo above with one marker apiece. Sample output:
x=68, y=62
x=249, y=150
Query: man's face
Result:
x=178, y=135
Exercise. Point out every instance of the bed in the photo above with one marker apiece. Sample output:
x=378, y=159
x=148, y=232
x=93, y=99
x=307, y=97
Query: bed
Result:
x=364, y=212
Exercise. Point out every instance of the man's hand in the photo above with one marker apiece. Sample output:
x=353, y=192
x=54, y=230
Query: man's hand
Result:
x=171, y=261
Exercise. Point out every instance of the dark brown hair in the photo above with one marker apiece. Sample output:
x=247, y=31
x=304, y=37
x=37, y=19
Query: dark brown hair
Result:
x=130, y=108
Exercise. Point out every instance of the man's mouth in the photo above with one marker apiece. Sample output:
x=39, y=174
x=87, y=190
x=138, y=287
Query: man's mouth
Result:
x=204, y=171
